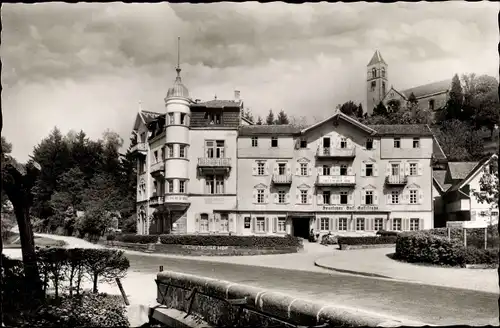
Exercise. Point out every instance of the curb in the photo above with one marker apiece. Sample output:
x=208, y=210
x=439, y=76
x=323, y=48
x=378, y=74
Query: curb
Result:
x=359, y=273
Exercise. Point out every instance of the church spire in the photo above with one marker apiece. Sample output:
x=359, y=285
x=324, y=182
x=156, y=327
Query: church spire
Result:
x=377, y=58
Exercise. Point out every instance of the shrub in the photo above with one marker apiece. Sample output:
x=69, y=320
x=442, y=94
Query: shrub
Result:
x=385, y=233
x=226, y=240
x=137, y=239
x=12, y=285
x=110, y=237
x=481, y=256
x=366, y=240
x=105, y=265
x=329, y=240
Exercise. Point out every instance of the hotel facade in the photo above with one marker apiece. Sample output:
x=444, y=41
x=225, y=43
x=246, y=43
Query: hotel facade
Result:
x=203, y=169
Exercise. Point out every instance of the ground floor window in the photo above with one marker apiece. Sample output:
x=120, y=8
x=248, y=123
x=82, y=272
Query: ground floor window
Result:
x=360, y=224
x=379, y=224
x=247, y=222
x=281, y=224
x=396, y=224
x=224, y=223
x=343, y=224
x=324, y=224
x=204, y=223
x=260, y=224
x=414, y=224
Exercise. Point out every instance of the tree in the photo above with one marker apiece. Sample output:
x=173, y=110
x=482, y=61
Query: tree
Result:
x=299, y=122
x=259, y=121
x=380, y=110
x=459, y=141
x=348, y=108
x=106, y=265
x=270, y=118
x=485, y=103
x=282, y=118
x=454, y=104
x=489, y=185
x=359, y=111
x=247, y=114
x=393, y=105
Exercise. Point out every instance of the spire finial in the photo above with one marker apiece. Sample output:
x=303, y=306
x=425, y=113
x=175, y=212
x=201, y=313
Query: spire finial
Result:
x=178, y=68
x=140, y=106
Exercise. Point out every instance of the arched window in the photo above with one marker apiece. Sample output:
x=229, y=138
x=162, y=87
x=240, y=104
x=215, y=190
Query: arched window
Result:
x=374, y=72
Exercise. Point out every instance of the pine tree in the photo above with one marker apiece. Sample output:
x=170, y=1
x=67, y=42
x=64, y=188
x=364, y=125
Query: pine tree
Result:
x=282, y=118
x=380, y=110
x=259, y=121
x=270, y=118
x=359, y=111
x=455, y=102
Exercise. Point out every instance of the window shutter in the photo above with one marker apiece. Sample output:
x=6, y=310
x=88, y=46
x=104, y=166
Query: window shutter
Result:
x=318, y=224
x=253, y=224
x=349, y=170
x=309, y=197
x=217, y=222
x=197, y=222
x=211, y=222
x=309, y=170
x=266, y=228
x=389, y=224
x=266, y=166
x=275, y=168
x=388, y=169
x=421, y=224
x=254, y=168
x=419, y=169
x=362, y=194
x=336, y=170
x=363, y=169
x=375, y=197
x=287, y=198
x=371, y=224
x=275, y=224
x=320, y=170
x=406, y=196
x=420, y=196
x=350, y=200
x=320, y=198
x=276, y=198
x=402, y=168
x=297, y=168
x=333, y=224
x=266, y=196
x=336, y=198
x=389, y=198
x=288, y=169
x=352, y=224
x=407, y=168
x=374, y=143
x=254, y=195
x=375, y=169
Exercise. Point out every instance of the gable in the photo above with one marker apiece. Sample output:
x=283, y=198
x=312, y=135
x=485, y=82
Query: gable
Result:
x=394, y=94
x=260, y=186
x=139, y=120
x=303, y=186
x=370, y=186
x=303, y=160
x=413, y=186
x=334, y=119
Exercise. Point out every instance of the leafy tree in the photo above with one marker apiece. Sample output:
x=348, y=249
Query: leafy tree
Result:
x=130, y=224
x=106, y=265
x=348, y=108
x=488, y=183
x=247, y=114
x=393, y=105
x=359, y=111
x=459, y=141
x=299, y=122
x=270, y=118
x=259, y=121
x=282, y=118
x=380, y=110
x=485, y=103
x=454, y=104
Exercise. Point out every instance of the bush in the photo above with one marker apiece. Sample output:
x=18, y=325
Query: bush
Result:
x=110, y=237
x=329, y=240
x=367, y=240
x=226, y=240
x=137, y=239
x=385, y=233
x=13, y=283
x=481, y=256
x=475, y=236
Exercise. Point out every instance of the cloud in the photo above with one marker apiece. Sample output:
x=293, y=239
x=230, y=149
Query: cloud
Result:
x=86, y=65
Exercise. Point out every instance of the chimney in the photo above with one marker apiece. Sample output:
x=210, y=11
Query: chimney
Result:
x=236, y=95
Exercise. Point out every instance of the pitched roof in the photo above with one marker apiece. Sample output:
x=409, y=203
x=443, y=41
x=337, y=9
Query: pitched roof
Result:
x=440, y=177
x=437, y=151
x=149, y=116
x=402, y=129
x=218, y=104
x=460, y=170
x=340, y=115
x=256, y=130
x=428, y=89
x=479, y=165
x=377, y=58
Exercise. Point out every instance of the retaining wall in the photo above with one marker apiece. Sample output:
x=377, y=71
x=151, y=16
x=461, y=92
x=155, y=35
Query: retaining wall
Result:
x=257, y=307
x=202, y=250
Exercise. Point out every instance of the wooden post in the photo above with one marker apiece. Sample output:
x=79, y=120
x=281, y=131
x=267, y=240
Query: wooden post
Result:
x=119, y=283
x=465, y=237
x=485, y=237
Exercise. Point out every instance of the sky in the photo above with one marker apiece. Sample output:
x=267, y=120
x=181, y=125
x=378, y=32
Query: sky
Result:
x=87, y=66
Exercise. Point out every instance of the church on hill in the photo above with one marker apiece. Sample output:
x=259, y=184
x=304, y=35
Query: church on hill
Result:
x=432, y=96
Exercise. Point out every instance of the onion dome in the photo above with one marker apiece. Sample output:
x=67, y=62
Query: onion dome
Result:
x=178, y=89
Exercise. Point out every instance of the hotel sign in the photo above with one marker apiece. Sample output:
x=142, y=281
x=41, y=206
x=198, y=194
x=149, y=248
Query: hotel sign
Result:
x=339, y=208
x=176, y=199
x=367, y=208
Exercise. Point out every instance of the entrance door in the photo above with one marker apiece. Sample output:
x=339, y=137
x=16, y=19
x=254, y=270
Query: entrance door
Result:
x=301, y=227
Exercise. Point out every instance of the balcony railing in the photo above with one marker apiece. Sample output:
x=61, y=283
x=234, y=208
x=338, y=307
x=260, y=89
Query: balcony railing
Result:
x=158, y=168
x=396, y=180
x=155, y=200
x=336, y=180
x=214, y=162
x=140, y=147
x=334, y=152
x=282, y=178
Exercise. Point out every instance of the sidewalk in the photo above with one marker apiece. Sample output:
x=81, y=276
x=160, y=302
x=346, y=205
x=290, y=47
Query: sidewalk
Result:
x=376, y=263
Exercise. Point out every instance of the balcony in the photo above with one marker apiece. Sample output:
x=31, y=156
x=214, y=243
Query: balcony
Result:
x=176, y=201
x=155, y=200
x=158, y=169
x=140, y=148
x=282, y=179
x=214, y=165
x=396, y=180
x=336, y=180
x=333, y=152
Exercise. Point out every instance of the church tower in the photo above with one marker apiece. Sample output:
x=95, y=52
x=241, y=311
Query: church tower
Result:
x=376, y=82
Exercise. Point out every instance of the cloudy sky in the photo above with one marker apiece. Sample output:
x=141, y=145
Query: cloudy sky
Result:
x=87, y=66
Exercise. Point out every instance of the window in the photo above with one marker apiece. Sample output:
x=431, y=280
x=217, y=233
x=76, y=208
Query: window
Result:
x=343, y=143
x=383, y=89
x=383, y=72
x=214, y=184
x=413, y=196
x=248, y=222
x=397, y=142
x=369, y=170
x=142, y=165
x=303, y=169
x=260, y=196
x=343, y=197
x=281, y=168
x=224, y=223
x=281, y=196
x=183, y=119
x=324, y=224
x=261, y=224
x=369, y=143
x=396, y=224
x=170, y=150
x=182, y=151
x=326, y=197
x=413, y=168
x=326, y=170
x=171, y=118
x=303, y=196
x=394, y=197
x=274, y=142
x=343, y=169
x=414, y=224
x=431, y=104
x=374, y=73
x=170, y=186
x=368, y=197
x=182, y=186
x=204, y=223
x=303, y=143
x=214, y=149
x=260, y=168
x=255, y=141
x=360, y=224
x=394, y=169
x=281, y=224
x=379, y=224
x=155, y=155
x=213, y=118
x=155, y=188
x=416, y=142
x=162, y=154
x=342, y=224
x=373, y=86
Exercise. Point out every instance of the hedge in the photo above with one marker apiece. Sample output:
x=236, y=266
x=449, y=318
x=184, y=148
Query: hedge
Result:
x=137, y=239
x=367, y=240
x=475, y=255
x=385, y=233
x=475, y=236
x=226, y=240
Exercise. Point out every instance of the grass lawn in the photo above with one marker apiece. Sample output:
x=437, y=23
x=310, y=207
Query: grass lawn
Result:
x=13, y=241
